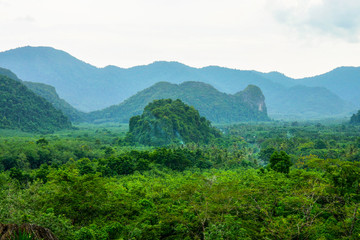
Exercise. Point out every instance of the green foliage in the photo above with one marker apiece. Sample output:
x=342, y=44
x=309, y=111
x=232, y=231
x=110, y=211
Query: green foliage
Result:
x=87, y=185
x=280, y=162
x=166, y=121
x=19, y=175
x=23, y=236
x=22, y=109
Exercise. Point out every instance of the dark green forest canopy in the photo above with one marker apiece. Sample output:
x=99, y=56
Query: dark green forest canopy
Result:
x=22, y=109
x=84, y=184
x=168, y=121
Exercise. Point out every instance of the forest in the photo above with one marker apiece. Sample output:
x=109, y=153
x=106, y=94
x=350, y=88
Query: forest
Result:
x=273, y=180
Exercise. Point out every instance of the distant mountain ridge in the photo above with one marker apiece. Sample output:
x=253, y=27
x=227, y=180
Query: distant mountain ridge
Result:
x=89, y=88
x=218, y=107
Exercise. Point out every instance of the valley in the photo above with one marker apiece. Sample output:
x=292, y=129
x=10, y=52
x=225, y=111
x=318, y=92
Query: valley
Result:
x=167, y=151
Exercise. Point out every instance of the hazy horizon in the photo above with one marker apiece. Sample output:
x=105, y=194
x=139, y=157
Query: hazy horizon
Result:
x=169, y=61
x=298, y=38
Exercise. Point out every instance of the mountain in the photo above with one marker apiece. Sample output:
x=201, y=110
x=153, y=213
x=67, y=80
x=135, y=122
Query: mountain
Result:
x=77, y=82
x=248, y=105
x=343, y=81
x=88, y=88
x=22, y=109
x=49, y=93
x=167, y=121
x=304, y=102
x=9, y=74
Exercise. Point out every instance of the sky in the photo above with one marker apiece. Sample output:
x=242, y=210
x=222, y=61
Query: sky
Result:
x=296, y=37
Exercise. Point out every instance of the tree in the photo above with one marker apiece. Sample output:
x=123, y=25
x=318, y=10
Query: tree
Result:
x=355, y=118
x=280, y=162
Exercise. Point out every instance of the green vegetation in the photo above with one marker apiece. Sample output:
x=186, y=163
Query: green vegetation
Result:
x=247, y=105
x=166, y=121
x=22, y=109
x=355, y=118
x=258, y=181
x=23, y=236
x=170, y=174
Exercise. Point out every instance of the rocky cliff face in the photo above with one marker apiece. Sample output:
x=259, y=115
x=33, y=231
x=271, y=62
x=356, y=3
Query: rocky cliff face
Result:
x=9, y=231
x=253, y=96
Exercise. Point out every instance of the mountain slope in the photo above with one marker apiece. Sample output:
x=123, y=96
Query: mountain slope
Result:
x=9, y=74
x=309, y=102
x=74, y=80
x=212, y=104
x=49, y=93
x=22, y=109
x=343, y=81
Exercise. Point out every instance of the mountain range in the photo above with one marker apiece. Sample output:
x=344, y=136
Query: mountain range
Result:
x=89, y=88
x=247, y=105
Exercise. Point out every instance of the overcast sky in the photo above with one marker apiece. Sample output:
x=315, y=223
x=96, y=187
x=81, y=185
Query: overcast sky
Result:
x=295, y=37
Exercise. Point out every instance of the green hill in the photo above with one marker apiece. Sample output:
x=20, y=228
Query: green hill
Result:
x=49, y=93
x=22, y=109
x=168, y=121
x=248, y=105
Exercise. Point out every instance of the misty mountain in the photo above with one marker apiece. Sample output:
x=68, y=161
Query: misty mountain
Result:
x=343, y=81
x=88, y=88
x=309, y=102
x=247, y=105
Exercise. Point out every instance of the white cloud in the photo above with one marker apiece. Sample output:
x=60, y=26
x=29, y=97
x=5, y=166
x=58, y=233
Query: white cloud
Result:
x=339, y=18
x=27, y=19
x=232, y=33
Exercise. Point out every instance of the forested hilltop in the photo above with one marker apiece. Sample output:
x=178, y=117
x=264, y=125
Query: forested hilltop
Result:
x=22, y=109
x=247, y=105
x=166, y=121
